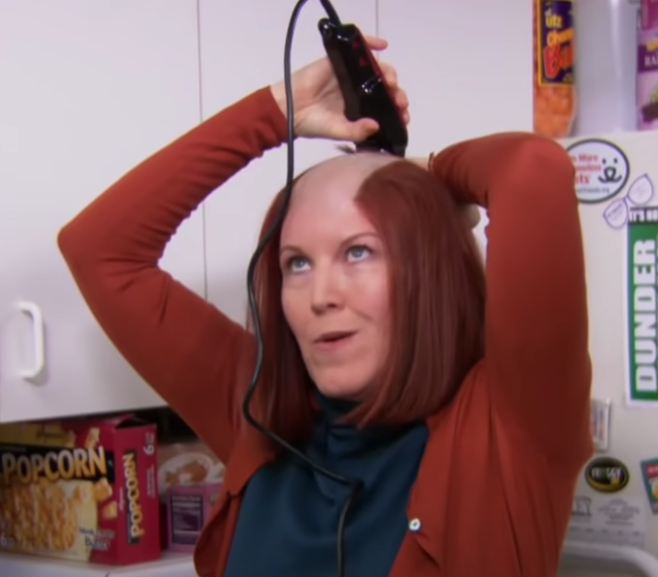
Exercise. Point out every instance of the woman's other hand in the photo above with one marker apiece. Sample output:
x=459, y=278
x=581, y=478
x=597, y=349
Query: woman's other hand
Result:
x=319, y=105
x=471, y=213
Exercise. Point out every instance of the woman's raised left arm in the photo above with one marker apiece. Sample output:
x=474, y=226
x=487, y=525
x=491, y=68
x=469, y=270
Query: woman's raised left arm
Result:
x=536, y=343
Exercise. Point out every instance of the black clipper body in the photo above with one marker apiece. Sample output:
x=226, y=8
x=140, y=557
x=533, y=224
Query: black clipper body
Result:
x=363, y=87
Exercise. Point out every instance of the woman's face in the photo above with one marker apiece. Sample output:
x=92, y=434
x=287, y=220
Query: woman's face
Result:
x=335, y=292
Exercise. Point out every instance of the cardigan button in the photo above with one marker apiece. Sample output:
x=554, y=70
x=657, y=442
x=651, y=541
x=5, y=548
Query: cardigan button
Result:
x=414, y=525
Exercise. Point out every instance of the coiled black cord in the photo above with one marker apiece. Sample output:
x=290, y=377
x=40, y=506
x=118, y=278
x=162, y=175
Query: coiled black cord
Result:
x=253, y=305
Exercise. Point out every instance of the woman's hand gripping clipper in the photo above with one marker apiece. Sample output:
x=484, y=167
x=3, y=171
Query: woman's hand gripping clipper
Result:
x=363, y=88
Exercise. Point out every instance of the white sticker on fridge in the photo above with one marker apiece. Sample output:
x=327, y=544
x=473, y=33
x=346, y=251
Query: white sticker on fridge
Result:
x=606, y=519
x=600, y=423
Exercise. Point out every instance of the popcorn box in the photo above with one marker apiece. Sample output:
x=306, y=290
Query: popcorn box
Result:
x=83, y=490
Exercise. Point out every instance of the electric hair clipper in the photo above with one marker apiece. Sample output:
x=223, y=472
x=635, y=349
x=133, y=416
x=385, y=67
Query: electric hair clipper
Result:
x=362, y=84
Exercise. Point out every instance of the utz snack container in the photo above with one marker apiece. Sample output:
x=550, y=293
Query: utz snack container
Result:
x=82, y=490
x=554, y=69
x=188, y=509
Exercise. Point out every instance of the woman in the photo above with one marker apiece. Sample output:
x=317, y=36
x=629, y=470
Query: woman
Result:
x=466, y=431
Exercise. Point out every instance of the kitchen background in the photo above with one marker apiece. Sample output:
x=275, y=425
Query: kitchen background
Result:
x=89, y=90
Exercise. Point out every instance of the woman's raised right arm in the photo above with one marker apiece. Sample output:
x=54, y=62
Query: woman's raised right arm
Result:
x=183, y=347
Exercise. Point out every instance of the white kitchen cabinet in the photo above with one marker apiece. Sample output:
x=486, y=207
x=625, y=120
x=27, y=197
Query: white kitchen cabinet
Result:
x=466, y=66
x=242, y=50
x=89, y=89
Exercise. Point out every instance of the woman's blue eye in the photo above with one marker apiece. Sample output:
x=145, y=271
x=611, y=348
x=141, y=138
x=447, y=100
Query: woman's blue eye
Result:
x=355, y=253
x=358, y=252
x=296, y=263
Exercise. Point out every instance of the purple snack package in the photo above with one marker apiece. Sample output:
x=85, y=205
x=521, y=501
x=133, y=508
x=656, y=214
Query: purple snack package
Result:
x=647, y=79
x=188, y=509
x=649, y=14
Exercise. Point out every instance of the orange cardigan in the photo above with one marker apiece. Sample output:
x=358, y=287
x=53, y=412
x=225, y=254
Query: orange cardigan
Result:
x=494, y=490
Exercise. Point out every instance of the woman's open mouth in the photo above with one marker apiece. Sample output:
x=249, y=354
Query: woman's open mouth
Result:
x=334, y=339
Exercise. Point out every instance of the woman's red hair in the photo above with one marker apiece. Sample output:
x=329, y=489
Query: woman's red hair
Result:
x=437, y=300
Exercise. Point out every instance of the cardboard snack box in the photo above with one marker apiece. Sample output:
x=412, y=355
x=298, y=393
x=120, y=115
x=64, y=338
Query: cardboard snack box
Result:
x=83, y=490
x=184, y=463
x=188, y=510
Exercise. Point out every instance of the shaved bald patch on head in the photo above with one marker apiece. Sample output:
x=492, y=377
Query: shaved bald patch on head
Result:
x=346, y=172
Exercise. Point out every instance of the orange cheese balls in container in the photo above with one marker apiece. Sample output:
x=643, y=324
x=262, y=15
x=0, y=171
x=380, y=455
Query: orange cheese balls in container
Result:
x=554, y=88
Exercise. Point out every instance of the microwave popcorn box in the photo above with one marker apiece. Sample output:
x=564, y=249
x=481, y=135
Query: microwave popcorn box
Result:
x=188, y=509
x=83, y=490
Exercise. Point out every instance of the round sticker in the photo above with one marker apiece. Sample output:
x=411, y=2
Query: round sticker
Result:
x=602, y=169
x=607, y=475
